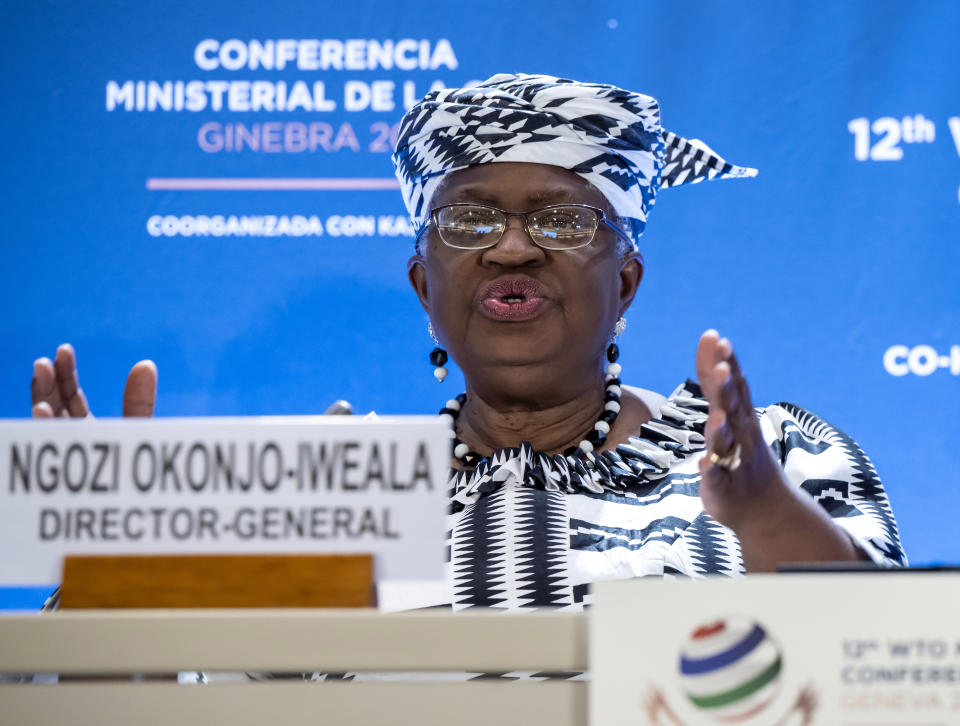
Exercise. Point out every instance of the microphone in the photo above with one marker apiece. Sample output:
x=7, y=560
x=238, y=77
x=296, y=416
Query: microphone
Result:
x=339, y=408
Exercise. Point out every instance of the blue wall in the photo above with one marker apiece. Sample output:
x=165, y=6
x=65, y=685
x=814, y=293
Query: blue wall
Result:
x=814, y=269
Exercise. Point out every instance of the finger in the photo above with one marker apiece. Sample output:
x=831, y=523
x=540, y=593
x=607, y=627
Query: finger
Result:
x=741, y=380
x=708, y=470
x=741, y=418
x=717, y=433
x=724, y=349
x=140, y=393
x=720, y=381
x=727, y=379
x=77, y=406
x=706, y=360
x=711, y=476
x=43, y=386
x=65, y=370
x=740, y=404
x=705, y=466
x=727, y=395
x=42, y=410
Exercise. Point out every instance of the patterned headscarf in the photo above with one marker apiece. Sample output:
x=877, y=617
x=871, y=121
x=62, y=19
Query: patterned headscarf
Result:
x=609, y=136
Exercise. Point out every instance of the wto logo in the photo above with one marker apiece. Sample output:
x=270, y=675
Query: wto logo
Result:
x=731, y=671
x=920, y=360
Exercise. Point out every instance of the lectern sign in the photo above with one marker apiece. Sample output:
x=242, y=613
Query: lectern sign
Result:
x=863, y=649
x=291, y=484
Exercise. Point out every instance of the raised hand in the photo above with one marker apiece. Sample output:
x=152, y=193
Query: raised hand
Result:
x=742, y=484
x=56, y=393
x=740, y=477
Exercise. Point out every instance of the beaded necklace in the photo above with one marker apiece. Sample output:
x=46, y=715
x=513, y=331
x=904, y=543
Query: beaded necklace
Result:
x=594, y=438
x=671, y=436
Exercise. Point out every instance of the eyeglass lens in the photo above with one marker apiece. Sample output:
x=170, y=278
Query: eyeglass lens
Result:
x=475, y=227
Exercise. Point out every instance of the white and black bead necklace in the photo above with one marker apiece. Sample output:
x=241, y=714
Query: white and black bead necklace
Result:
x=594, y=439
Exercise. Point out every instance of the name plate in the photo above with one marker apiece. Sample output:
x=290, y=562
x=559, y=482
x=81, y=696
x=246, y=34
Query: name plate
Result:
x=834, y=650
x=317, y=484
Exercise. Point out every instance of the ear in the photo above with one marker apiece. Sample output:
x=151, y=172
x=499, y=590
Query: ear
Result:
x=417, y=273
x=631, y=273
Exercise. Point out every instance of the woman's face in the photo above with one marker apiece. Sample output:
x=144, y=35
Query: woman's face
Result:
x=515, y=307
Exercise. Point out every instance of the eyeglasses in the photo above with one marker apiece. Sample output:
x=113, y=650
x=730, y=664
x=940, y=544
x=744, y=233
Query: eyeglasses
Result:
x=557, y=227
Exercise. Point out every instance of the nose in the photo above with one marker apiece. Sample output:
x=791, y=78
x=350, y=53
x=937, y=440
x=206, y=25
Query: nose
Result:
x=515, y=248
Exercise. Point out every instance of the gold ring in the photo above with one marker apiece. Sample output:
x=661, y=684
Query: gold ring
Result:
x=730, y=462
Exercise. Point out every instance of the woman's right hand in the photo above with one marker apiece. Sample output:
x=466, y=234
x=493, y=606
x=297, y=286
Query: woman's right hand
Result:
x=56, y=391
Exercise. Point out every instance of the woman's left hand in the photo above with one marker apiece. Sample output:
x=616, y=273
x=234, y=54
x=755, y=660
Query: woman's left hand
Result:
x=743, y=485
x=742, y=481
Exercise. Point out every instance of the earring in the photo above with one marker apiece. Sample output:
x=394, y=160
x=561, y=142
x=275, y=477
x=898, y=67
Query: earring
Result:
x=613, y=350
x=438, y=356
x=619, y=327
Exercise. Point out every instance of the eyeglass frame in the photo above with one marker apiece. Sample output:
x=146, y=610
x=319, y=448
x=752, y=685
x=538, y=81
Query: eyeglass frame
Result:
x=601, y=218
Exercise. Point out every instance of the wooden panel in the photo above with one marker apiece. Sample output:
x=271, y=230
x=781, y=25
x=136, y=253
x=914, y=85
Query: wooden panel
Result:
x=217, y=581
x=291, y=640
x=295, y=704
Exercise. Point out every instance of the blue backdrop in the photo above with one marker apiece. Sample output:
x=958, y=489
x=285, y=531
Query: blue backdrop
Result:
x=834, y=272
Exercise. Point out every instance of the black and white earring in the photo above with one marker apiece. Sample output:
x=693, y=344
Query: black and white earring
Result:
x=612, y=394
x=438, y=356
x=613, y=351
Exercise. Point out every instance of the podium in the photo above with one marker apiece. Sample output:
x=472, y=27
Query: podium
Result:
x=119, y=667
x=771, y=650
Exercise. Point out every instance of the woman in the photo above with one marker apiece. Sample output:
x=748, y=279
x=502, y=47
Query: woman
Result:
x=530, y=193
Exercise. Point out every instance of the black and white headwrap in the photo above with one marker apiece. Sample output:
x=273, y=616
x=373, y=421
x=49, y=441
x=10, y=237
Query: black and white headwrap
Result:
x=609, y=136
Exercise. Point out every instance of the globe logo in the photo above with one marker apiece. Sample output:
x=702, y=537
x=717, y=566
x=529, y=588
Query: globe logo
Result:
x=730, y=669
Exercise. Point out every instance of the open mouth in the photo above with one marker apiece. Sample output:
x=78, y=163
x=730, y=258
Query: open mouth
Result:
x=513, y=298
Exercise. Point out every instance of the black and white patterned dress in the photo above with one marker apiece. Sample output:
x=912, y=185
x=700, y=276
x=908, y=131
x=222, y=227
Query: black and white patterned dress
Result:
x=519, y=540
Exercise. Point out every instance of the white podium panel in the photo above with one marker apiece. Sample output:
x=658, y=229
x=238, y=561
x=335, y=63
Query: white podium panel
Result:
x=870, y=649
x=417, y=665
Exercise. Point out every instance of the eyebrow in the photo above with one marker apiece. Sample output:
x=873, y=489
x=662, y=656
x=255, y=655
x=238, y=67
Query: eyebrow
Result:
x=487, y=196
